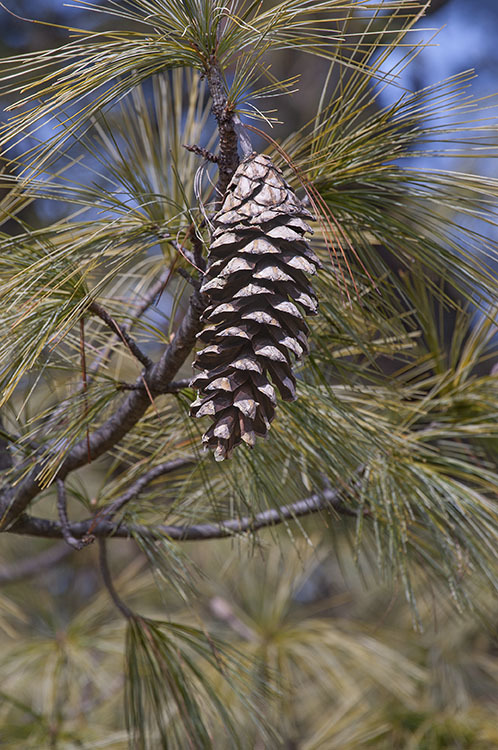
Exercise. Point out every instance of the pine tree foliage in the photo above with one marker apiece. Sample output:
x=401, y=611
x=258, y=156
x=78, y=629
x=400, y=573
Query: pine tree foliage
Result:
x=382, y=473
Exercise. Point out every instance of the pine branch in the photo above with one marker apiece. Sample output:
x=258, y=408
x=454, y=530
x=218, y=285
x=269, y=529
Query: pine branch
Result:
x=195, y=283
x=135, y=489
x=324, y=501
x=177, y=352
x=177, y=385
x=152, y=294
x=174, y=387
x=121, y=332
x=201, y=151
x=228, y=159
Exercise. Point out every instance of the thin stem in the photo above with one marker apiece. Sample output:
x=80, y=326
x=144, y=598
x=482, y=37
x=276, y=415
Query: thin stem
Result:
x=134, y=489
x=200, y=261
x=107, y=578
x=195, y=283
x=201, y=151
x=174, y=387
x=177, y=385
x=5, y=455
x=153, y=293
x=122, y=333
x=64, y=520
x=84, y=387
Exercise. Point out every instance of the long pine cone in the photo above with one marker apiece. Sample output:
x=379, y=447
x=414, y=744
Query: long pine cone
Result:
x=257, y=288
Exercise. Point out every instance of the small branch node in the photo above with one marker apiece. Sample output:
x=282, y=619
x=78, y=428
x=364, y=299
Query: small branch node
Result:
x=201, y=151
x=129, y=386
x=177, y=385
x=64, y=521
x=188, y=277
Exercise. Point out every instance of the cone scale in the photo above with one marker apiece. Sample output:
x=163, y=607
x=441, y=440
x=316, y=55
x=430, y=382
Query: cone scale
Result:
x=257, y=286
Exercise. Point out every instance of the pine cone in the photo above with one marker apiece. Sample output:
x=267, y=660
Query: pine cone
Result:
x=257, y=264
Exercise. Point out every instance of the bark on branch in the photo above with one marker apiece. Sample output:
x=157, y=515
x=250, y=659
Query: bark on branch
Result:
x=5, y=457
x=228, y=158
x=122, y=333
x=325, y=501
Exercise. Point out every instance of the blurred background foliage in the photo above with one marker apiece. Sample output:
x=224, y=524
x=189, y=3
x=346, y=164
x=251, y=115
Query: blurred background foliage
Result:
x=332, y=631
